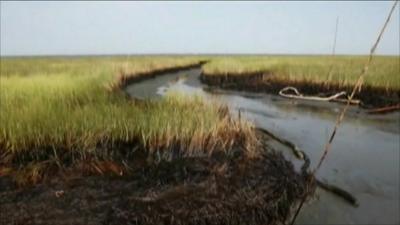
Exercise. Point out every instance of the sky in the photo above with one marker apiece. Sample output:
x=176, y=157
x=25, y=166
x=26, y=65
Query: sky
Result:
x=86, y=28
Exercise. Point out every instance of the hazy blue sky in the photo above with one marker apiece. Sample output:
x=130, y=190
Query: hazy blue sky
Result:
x=37, y=28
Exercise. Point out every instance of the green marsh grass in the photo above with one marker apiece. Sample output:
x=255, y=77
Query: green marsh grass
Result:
x=57, y=108
x=339, y=71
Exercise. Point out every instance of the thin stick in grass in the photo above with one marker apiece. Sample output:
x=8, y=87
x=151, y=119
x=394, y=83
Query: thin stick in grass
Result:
x=357, y=87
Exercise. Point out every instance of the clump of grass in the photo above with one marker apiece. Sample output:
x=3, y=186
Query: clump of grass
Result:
x=60, y=111
x=341, y=71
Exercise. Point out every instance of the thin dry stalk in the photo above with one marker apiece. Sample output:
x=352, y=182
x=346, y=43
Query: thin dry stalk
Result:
x=333, y=53
x=357, y=87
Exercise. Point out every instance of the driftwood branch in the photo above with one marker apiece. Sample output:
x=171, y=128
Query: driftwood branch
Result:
x=298, y=95
x=385, y=109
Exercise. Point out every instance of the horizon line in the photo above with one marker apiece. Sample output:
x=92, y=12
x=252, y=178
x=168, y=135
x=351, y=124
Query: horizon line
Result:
x=186, y=54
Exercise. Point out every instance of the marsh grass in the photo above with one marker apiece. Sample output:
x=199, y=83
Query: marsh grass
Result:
x=340, y=71
x=60, y=112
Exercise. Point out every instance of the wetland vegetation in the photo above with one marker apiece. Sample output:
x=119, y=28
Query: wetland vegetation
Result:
x=67, y=121
x=58, y=109
x=314, y=75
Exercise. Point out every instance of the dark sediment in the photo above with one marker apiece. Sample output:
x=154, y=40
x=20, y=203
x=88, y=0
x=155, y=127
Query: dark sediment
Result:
x=262, y=82
x=224, y=188
x=221, y=189
x=128, y=78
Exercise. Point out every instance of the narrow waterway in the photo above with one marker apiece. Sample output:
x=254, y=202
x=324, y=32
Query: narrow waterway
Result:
x=364, y=158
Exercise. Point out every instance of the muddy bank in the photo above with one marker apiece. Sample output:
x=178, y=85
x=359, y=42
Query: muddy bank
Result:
x=362, y=139
x=126, y=79
x=223, y=189
x=262, y=82
x=125, y=184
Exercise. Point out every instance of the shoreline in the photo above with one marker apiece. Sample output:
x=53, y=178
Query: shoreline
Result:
x=204, y=188
x=126, y=79
x=223, y=189
x=259, y=82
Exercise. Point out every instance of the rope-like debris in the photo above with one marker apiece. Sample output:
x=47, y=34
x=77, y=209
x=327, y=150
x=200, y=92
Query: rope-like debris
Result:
x=298, y=95
x=339, y=192
x=300, y=154
x=296, y=151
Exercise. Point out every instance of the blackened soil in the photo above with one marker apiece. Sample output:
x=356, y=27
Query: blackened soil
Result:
x=220, y=190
